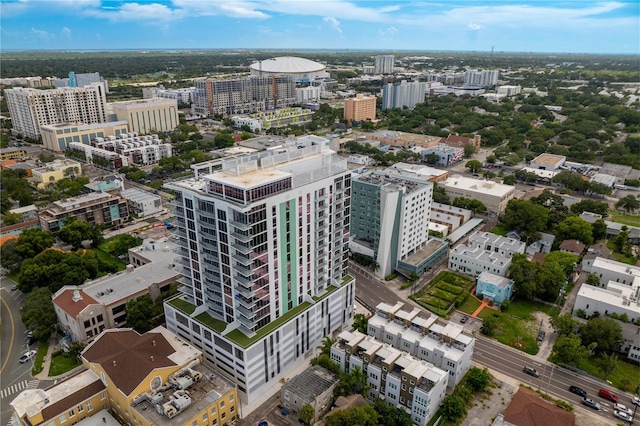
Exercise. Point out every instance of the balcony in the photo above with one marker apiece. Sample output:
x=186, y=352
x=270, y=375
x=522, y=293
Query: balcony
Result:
x=243, y=259
x=240, y=225
x=243, y=269
x=243, y=238
x=247, y=313
x=246, y=282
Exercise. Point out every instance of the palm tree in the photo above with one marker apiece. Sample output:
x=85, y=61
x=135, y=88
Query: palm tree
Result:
x=327, y=342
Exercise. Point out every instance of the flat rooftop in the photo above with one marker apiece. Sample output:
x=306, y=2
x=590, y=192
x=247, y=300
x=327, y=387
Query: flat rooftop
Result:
x=548, y=159
x=425, y=251
x=478, y=185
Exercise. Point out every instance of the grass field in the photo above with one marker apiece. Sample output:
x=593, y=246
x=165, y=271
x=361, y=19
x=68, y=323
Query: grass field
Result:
x=518, y=325
x=43, y=347
x=625, y=219
x=470, y=305
x=499, y=229
x=61, y=363
x=620, y=257
x=108, y=259
x=623, y=369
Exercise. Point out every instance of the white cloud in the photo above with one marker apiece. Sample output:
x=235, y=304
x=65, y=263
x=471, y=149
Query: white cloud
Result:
x=66, y=32
x=473, y=27
x=42, y=34
x=236, y=9
x=333, y=22
x=390, y=31
x=151, y=12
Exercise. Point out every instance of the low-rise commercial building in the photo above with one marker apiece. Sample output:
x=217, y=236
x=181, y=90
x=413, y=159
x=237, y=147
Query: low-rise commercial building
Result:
x=547, y=161
x=493, y=195
x=615, y=298
x=85, y=311
x=51, y=173
x=610, y=270
x=93, y=208
x=493, y=243
x=57, y=137
x=142, y=203
x=259, y=121
x=314, y=386
x=449, y=155
x=12, y=153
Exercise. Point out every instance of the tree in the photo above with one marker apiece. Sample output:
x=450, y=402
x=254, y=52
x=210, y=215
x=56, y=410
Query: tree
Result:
x=141, y=312
x=38, y=313
x=390, y=415
x=360, y=323
x=489, y=325
x=568, y=348
x=307, y=414
x=629, y=203
x=525, y=216
x=469, y=150
x=33, y=241
x=440, y=195
x=564, y=325
x=474, y=166
x=598, y=230
x=11, y=218
x=327, y=342
x=621, y=240
x=606, y=332
x=9, y=258
x=524, y=275
x=570, y=180
x=431, y=158
x=597, y=207
x=478, y=379
x=453, y=408
x=365, y=415
x=593, y=279
x=223, y=140
x=472, y=204
x=75, y=232
x=608, y=364
x=555, y=204
x=122, y=244
x=509, y=180
x=573, y=227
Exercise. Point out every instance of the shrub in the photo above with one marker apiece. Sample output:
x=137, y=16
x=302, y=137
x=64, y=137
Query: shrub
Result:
x=390, y=277
x=504, y=305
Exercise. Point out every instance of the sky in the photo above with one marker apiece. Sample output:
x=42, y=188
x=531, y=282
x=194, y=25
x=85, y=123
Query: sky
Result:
x=543, y=26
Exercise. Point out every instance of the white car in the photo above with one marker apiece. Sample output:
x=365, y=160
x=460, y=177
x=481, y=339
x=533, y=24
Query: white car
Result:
x=622, y=408
x=635, y=400
x=622, y=415
x=27, y=356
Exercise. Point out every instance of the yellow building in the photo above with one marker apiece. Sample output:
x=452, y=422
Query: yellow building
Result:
x=142, y=380
x=12, y=153
x=51, y=173
x=156, y=378
x=360, y=108
x=65, y=403
x=57, y=137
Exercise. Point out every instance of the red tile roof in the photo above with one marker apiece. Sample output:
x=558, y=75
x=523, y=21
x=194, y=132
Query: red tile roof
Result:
x=528, y=409
x=65, y=301
x=128, y=357
x=72, y=400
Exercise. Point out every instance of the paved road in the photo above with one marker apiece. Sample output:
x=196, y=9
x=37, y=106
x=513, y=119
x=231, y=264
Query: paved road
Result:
x=14, y=377
x=498, y=357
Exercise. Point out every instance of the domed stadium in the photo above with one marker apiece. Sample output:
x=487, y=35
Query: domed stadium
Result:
x=299, y=68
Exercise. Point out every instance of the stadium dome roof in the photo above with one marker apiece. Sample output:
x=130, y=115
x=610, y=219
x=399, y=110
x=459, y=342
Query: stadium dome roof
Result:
x=287, y=64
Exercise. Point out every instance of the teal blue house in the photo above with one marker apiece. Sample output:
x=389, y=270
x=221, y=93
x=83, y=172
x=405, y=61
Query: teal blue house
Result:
x=493, y=287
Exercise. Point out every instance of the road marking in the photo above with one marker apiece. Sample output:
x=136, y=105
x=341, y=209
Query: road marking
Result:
x=13, y=330
x=13, y=389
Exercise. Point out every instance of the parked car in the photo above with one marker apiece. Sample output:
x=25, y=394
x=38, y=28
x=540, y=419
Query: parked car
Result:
x=578, y=391
x=31, y=340
x=636, y=400
x=622, y=415
x=603, y=393
x=14, y=287
x=541, y=335
x=531, y=371
x=27, y=356
x=464, y=319
x=622, y=408
x=591, y=403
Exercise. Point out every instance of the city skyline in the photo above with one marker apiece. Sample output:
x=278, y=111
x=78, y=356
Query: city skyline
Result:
x=506, y=26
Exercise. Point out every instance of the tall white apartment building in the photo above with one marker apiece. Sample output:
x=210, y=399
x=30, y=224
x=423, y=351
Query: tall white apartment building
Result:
x=32, y=108
x=263, y=249
x=403, y=94
x=389, y=217
x=482, y=78
x=384, y=64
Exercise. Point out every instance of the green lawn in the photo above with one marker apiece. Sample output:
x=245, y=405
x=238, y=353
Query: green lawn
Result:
x=470, y=305
x=61, y=363
x=518, y=325
x=441, y=294
x=620, y=257
x=625, y=219
x=108, y=259
x=624, y=369
x=43, y=347
x=499, y=229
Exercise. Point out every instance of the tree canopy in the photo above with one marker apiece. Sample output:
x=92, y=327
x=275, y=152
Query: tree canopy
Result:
x=38, y=313
x=606, y=332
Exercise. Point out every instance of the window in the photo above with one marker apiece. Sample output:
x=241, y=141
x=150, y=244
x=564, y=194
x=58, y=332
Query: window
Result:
x=195, y=423
x=222, y=404
x=89, y=406
x=103, y=395
x=63, y=418
x=232, y=408
x=72, y=413
x=223, y=416
x=205, y=417
x=80, y=408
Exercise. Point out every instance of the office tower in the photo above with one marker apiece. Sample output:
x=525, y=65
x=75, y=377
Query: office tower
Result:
x=403, y=94
x=384, y=64
x=244, y=94
x=263, y=249
x=147, y=115
x=360, y=108
x=32, y=108
x=484, y=78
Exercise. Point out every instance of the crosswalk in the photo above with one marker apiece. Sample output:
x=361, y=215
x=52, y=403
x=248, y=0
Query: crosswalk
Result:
x=18, y=387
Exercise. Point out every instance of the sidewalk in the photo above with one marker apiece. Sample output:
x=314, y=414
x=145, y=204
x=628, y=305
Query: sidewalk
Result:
x=46, y=364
